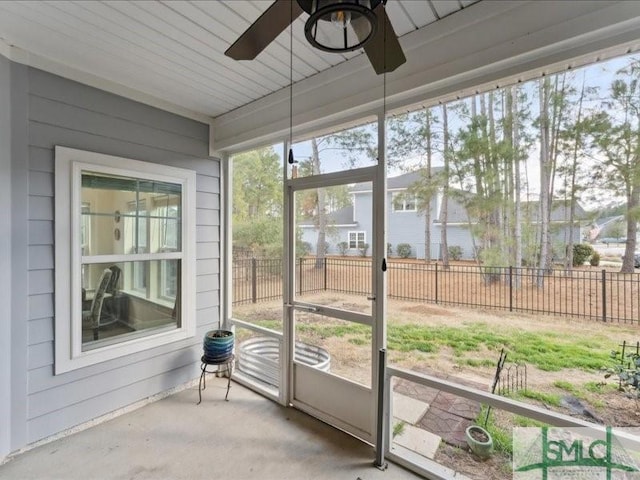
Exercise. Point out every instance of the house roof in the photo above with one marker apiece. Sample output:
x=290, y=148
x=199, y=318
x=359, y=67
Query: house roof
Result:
x=398, y=182
x=457, y=213
x=602, y=222
x=342, y=216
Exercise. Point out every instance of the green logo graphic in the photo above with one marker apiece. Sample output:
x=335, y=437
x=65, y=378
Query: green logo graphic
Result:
x=574, y=453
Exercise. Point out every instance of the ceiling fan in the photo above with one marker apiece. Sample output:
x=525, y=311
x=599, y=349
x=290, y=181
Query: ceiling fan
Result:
x=332, y=26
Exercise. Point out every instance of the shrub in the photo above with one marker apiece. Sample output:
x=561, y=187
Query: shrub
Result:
x=389, y=249
x=455, y=252
x=581, y=253
x=303, y=249
x=363, y=250
x=404, y=250
x=342, y=248
x=595, y=259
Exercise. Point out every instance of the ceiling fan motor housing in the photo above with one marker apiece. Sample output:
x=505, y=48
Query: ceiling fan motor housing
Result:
x=339, y=25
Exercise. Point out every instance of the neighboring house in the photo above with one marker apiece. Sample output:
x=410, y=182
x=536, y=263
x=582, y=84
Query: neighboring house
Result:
x=406, y=224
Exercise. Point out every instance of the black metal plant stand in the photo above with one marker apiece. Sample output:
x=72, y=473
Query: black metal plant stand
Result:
x=228, y=368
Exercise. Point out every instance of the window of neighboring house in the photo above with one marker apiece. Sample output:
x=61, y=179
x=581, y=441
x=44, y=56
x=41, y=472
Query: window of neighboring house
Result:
x=127, y=229
x=356, y=240
x=403, y=202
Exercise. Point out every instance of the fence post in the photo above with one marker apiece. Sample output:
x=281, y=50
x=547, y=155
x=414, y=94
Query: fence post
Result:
x=254, y=281
x=511, y=288
x=300, y=275
x=325, y=273
x=604, y=295
x=436, y=283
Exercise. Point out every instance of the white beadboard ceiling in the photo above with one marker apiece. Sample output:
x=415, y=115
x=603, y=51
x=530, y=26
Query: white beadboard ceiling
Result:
x=174, y=50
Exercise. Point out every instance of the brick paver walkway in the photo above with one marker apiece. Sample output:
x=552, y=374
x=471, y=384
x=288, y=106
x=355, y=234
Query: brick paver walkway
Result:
x=448, y=415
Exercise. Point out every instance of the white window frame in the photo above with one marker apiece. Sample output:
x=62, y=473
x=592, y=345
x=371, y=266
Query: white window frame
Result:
x=358, y=245
x=68, y=282
x=404, y=196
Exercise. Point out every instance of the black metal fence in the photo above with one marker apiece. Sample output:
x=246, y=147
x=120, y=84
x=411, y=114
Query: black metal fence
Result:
x=596, y=294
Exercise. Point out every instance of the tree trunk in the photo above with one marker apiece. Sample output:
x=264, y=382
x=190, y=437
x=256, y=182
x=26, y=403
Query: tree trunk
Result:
x=633, y=202
x=321, y=216
x=429, y=196
x=517, y=214
x=545, y=251
x=445, y=188
x=577, y=141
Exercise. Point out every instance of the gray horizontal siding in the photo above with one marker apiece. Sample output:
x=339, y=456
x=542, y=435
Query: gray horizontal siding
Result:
x=40, y=330
x=53, y=87
x=207, y=266
x=41, y=232
x=62, y=112
x=86, y=410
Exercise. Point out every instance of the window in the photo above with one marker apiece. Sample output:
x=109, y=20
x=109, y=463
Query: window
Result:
x=403, y=202
x=136, y=234
x=356, y=240
x=126, y=229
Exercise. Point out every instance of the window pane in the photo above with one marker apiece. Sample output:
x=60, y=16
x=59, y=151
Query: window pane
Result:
x=257, y=266
x=168, y=286
x=164, y=234
x=128, y=300
x=103, y=236
x=353, y=240
x=126, y=215
x=397, y=202
x=335, y=152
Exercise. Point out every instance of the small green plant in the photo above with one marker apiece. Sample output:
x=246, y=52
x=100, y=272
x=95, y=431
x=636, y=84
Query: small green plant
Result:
x=546, y=398
x=564, y=385
x=363, y=249
x=595, y=387
x=455, y=252
x=594, y=261
x=581, y=253
x=403, y=250
x=478, y=362
x=342, y=248
x=398, y=429
x=627, y=368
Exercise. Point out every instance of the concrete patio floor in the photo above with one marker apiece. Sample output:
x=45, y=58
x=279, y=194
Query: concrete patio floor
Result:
x=248, y=437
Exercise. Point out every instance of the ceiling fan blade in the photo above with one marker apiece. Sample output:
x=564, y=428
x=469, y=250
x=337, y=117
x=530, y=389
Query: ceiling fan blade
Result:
x=382, y=62
x=264, y=30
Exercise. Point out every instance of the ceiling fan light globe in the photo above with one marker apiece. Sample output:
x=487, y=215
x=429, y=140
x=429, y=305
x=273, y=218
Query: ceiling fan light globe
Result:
x=341, y=19
x=332, y=23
